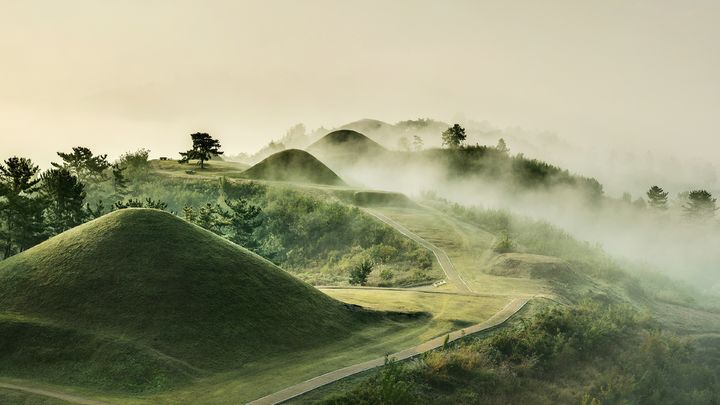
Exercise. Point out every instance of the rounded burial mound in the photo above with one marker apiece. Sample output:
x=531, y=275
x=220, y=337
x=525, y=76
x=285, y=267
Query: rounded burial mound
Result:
x=346, y=141
x=293, y=165
x=156, y=280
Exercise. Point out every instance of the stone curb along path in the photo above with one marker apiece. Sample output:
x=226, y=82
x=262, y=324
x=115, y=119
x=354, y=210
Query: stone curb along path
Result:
x=296, y=390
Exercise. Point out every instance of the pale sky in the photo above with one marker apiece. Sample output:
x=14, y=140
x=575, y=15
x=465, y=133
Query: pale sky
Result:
x=119, y=75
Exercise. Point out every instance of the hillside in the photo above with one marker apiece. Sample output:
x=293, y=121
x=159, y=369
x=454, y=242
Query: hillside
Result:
x=141, y=299
x=293, y=165
x=346, y=142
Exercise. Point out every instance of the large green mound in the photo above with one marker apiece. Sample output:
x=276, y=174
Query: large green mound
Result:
x=164, y=286
x=293, y=165
x=346, y=141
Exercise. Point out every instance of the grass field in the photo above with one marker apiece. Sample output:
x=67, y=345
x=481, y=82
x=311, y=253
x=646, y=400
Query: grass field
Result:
x=212, y=168
x=468, y=247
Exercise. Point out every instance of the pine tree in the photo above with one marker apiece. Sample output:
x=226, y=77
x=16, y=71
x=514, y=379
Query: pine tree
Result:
x=203, y=149
x=657, y=198
x=700, y=205
x=21, y=224
x=502, y=146
x=65, y=196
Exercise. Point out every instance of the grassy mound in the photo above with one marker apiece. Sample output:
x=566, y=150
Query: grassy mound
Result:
x=293, y=165
x=523, y=265
x=346, y=142
x=381, y=198
x=137, y=281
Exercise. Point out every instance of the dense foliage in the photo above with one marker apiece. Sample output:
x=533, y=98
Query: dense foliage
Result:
x=588, y=353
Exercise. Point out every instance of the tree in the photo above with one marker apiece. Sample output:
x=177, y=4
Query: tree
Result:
x=243, y=219
x=21, y=222
x=203, y=149
x=119, y=180
x=359, y=273
x=137, y=203
x=65, y=196
x=657, y=198
x=404, y=144
x=418, y=143
x=136, y=163
x=82, y=163
x=502, y=146
x=454, y=136
x=700, y=205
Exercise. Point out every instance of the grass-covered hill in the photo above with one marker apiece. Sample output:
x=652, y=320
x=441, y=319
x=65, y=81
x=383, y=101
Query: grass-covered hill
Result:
x=346, y=141
x=293, y=165
x=346, y=146
x=141, y=299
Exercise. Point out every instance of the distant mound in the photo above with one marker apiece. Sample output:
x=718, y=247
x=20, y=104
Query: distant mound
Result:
x=293, y=165
x=145, y=299
x=381, y=198
x=522, y=265
x=346, y=142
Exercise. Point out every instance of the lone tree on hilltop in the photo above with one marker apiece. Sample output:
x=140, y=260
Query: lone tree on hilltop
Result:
x=203, y=149
x=657, y=198
x=700, y=205
x=454, y=136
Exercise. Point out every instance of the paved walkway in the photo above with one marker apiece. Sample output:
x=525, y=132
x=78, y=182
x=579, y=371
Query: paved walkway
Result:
x=296, y=390
x=448, y=268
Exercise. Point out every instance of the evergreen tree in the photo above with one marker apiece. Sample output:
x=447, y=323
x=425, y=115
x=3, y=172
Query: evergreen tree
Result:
x=119, y=180
x=243, y=219
x=700, y=205
x=21, y=224
x=657, y=198
x=83, y=164
x=203, y=149
x=65, y=196
x=454, y=136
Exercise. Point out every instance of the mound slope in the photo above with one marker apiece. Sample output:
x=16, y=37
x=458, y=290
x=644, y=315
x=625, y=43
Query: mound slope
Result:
x=346, y=141
x=523, y=265
x=159, y=281
x=293, y=165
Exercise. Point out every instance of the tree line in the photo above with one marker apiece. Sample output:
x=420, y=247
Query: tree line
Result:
x=36, y=205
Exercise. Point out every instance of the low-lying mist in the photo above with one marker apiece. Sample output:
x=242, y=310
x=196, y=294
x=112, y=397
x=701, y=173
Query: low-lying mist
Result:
x=664, y=241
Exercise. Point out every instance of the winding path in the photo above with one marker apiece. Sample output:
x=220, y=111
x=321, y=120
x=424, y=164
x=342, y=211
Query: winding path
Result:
x=448, y=268
x=452, y=275
x=306, y=386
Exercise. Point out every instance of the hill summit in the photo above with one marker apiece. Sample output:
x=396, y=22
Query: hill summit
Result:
x=293, y=165
x=346, y=141
x=149, y=279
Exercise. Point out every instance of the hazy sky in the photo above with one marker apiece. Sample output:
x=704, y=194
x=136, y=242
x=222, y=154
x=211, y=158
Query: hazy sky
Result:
x=118, y=75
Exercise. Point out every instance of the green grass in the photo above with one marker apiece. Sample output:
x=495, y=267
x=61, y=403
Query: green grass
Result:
x=293, y=165
x=151, y=282
x=212, y=168
x=14, y=397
